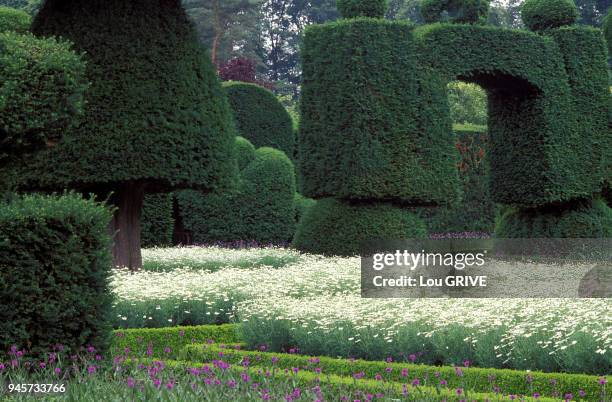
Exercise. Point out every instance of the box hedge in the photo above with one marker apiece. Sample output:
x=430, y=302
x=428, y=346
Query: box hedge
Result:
x=54, y=274
x=335, y=227
x=260, y=117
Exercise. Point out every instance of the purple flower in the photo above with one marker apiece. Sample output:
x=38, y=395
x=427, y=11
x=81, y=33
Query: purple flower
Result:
x=582, y=393
x=42, y=365
x=378, y=377
x=459, y=371
x=412, y=357
x=295, y=370
x=536, y=395
x=389, y=359
x=274, y=359
x=167, y=350
x=389, y=369
x=130, y=382
x=459, y=391
x=569, y=397
x=231, y=384
x=57, y=370
x=443, y=383
x=603, y=381
x=245, y=377
x=404, y=372
x=91, y=349
x=359, y=375
x=91, y=369
x=529, y=379
x=182, y=333
x=416, y=382
x=2, y=366
x=466, y=363
x=156, y=382
x=98, y=357
x=512, y=397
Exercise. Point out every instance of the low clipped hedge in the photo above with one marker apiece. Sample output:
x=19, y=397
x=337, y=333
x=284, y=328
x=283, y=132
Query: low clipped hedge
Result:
x=579, y=219
x=55, y=267
x=475, y=379
x=539, y=15
x=260, y=117
x=156, y=340
x=14, y=20
x=335, y=227
x=157, y=220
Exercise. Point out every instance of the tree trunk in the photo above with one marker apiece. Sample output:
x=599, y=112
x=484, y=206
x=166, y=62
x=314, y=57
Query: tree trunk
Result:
x=125, y=225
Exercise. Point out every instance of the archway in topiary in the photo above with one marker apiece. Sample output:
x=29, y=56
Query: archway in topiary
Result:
x=260, y=117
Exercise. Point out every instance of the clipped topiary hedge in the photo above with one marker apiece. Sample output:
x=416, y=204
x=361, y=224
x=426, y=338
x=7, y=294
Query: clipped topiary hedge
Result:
x=455, y=11
x=607, y=29
x=260, y=117
x=302, y=205
x=580, y=219
x=362, y=8
x=14, y=20
x=157, y=225
x=41, y=92
x=539, y=15
x=334, y=227
x=267, y=196
x=245, y=152
x=54, y=274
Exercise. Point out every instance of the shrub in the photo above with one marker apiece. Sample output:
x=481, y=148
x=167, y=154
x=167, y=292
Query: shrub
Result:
x=41, y=92
x=607, y=28
x=157, y=220
x=245, y=152
x=260, y=117
x=268, y=192
x=580, y=219
x=334, y=227
x=455, y=11
x=362, y=8
x=15, y=20
x=54, y=273
x=539, y=15
x=468, y=103
x=302, y=205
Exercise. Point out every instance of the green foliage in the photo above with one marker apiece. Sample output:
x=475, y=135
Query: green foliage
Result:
x=539, y=15
x=245, y=152
x=475, y=211
x=581, y=219
x=362, y=129
x=157, y=221
x=41, y=91
x=138, y=340
x=468, y=103
x=479, y=379
x=543, y=94
x=607, y=28
x=362, y=8
x=261, y=209
x=268, y=191
x=144, y=119
x=260, y=117
x=455, y=11
x=14, y=20
x=334, y=227
x=302, y=205
x=54, y=273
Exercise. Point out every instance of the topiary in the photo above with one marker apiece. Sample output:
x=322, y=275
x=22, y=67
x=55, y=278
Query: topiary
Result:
x=607, y=29
x=14, y=20
x=455, y=11
x=539, y=15
x=260, y=117
x=362, y=8
x=157, y=220
x=268, y=192
x=302, y=205
x=55, y=268
x=157, y=118
x=245, y=152
x=334, y=227
x=581, y=219
x=41, y=92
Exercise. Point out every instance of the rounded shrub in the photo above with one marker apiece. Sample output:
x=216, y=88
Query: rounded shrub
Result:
x=268, y=191
x=14, y=20
x=362, y=8
x=54, y=274
x=302, y=205
x=41, y=91
x=334, y=227
x=582, y=219
x=245, y=152
x=455, y=11
x=260, y=117
x=157, y=225
x=539, y=15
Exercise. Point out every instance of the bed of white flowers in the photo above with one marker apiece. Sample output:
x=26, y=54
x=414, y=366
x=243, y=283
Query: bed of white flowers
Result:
x=314, y=303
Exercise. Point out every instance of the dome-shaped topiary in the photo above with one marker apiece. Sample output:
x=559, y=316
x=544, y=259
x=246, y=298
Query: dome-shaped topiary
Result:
x=334, y=227
x=539, y=15
x=362, y=8
x=14, y=20
x=455, y=11
x=245, y=152
x=41, y=91
x=260, y=117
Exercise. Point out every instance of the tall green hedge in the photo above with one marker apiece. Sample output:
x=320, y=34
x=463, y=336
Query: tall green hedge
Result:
x=260, y=116
x=14, y=20
x=54, y=274
x=334, y=227
x=361, y=134
x=607, y=29
x=41, y=92
x=157, y=226
x=155, y=112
